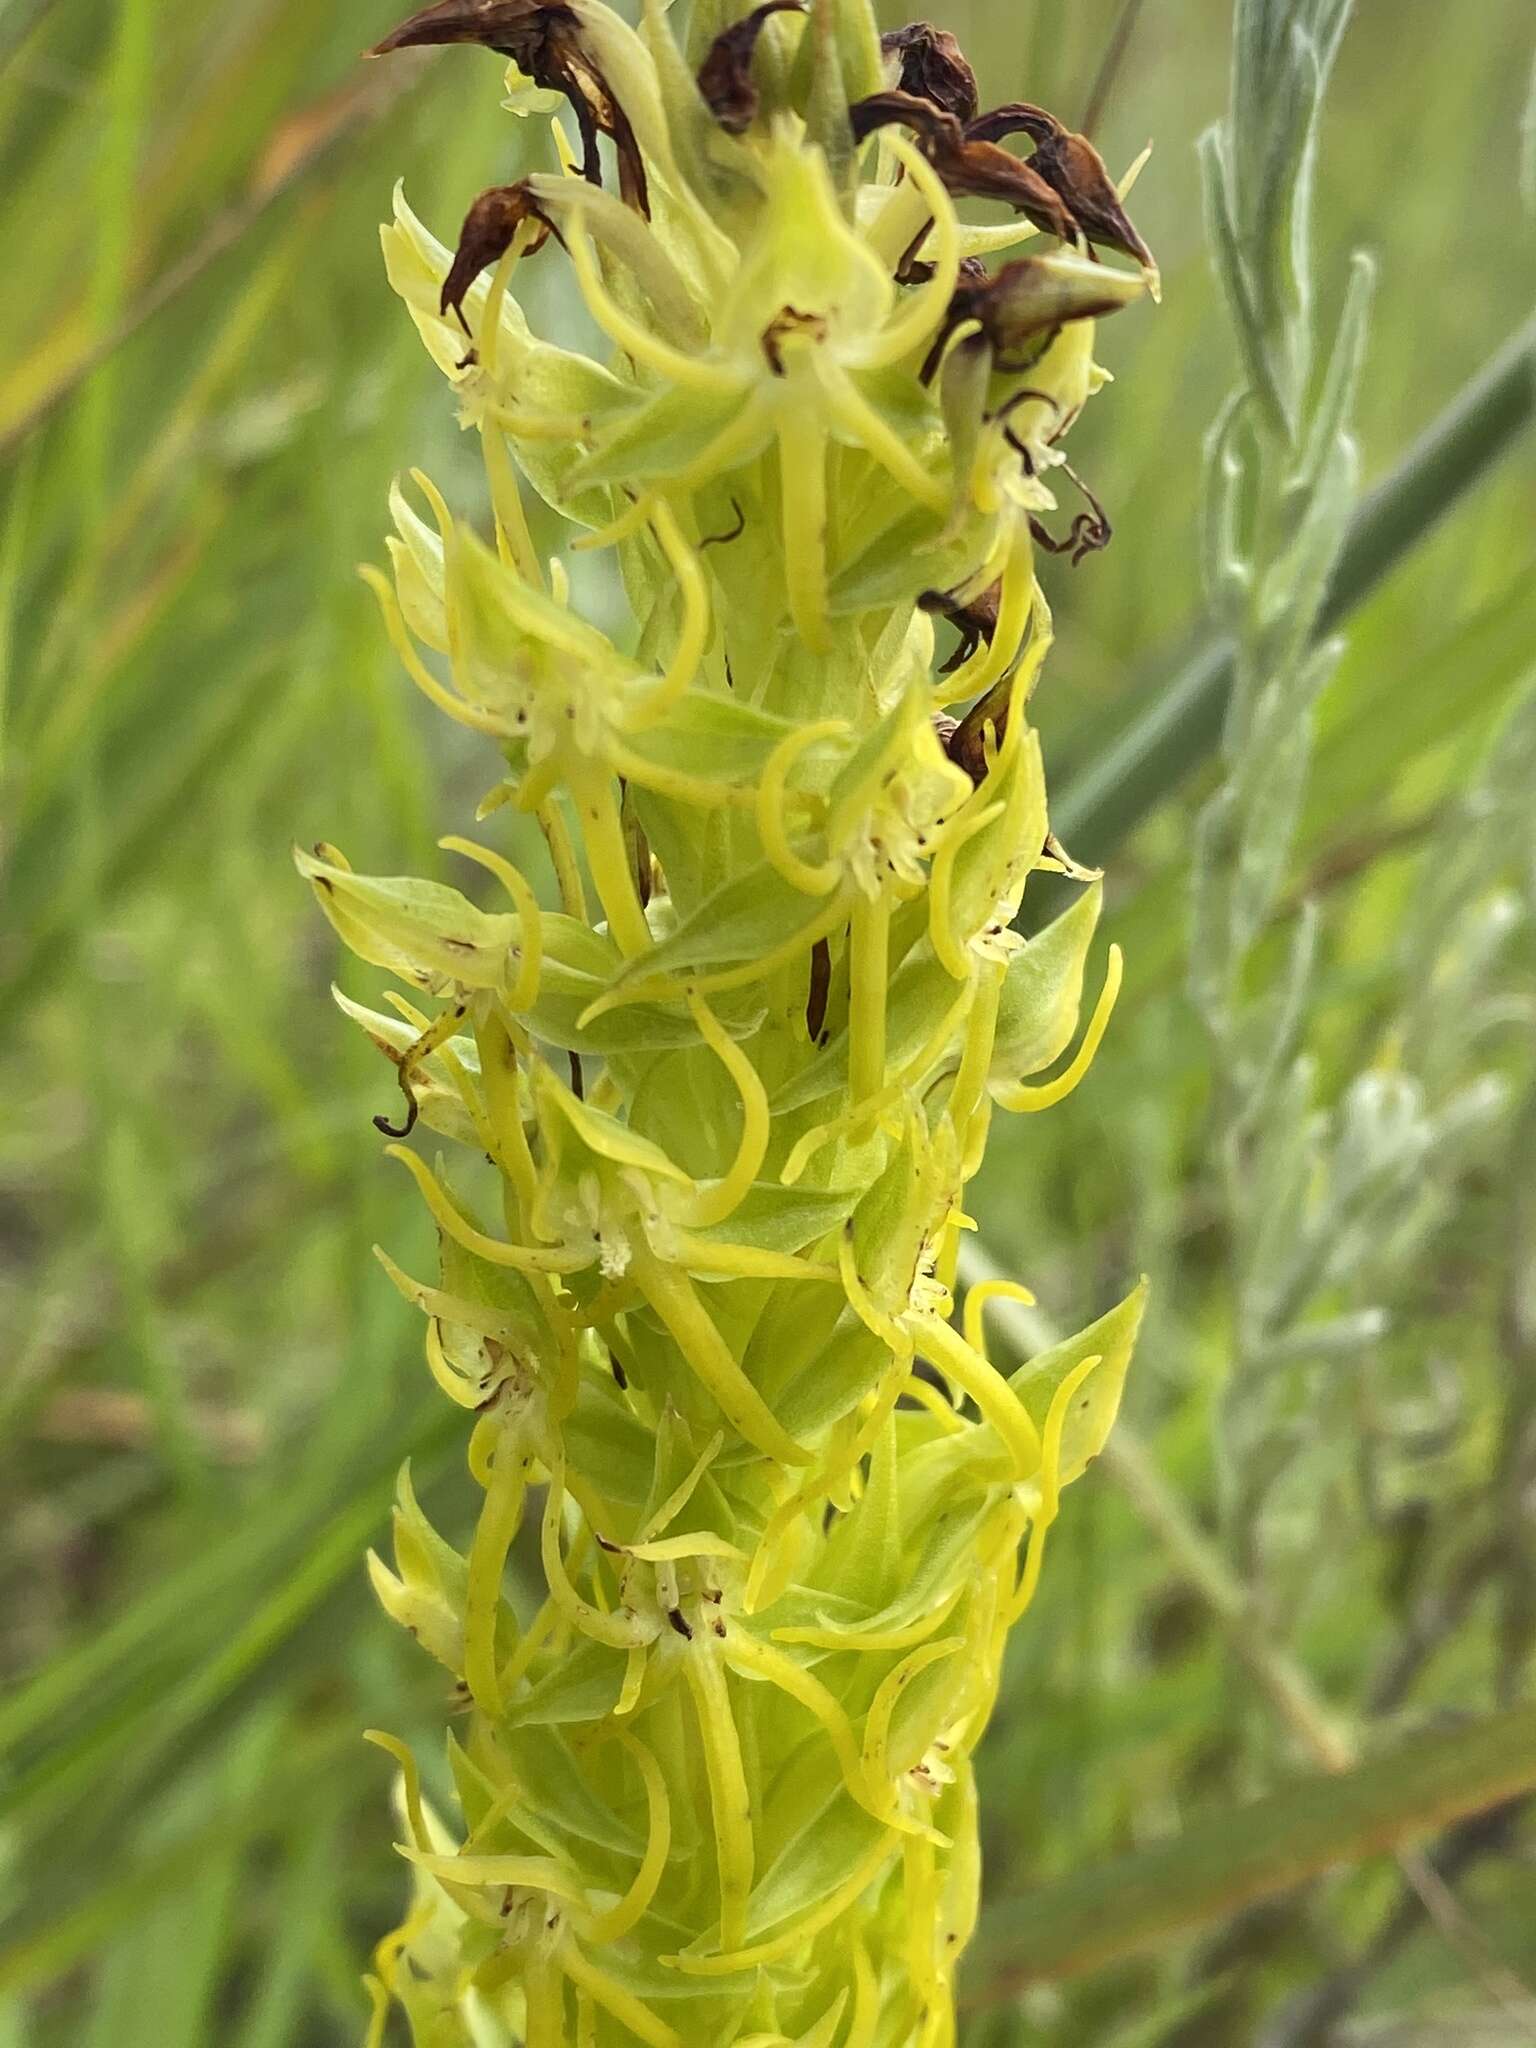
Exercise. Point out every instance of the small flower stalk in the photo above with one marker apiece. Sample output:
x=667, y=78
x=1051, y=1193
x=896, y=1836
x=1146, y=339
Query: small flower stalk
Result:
x=710, y=1082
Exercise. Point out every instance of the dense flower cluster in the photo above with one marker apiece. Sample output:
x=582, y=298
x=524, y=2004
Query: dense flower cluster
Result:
x=711, y=1117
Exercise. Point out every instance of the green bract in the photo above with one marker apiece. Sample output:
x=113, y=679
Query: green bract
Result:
x=719, y=1789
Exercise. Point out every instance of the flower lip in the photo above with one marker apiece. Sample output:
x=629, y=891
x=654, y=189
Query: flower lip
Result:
x=789, y=324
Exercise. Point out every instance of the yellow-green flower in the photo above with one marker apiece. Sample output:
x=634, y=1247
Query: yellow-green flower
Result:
x=715, y=1080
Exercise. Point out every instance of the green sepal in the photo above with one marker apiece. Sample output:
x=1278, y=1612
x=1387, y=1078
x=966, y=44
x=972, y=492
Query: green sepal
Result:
x=741, y=920
x=813, y=1863
x=583, y=1687
x=555, y=1796
x=772, y=1218
x=1097, y=1402
x=658, y=436
x=502, y=1292
x=714, y=736
x=862, y=1556
x=425, y=1592
x=900, y=560
x=579, y=965
x=603, y=1434
x=424, y=932
x=891, y=1224
x=511, y=637
x=992, y=867
x=1043, y=992
x=416, y=551
x=604, y=1136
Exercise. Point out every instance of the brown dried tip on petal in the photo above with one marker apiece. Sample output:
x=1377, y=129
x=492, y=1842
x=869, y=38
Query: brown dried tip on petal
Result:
x=975, y=618
x=725, y=77
x=507, y=26
x=931, y=65
x=1034, y=295
x=1054, y=854
x=820, y=988
x=933, y=127
x=967, y=745
x=543, y=40
x=1089, y=530
x=1073, y=168
x=485, y=238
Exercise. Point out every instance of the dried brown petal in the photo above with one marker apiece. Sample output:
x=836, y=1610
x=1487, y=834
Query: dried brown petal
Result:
x=929, y=123
x=725, y=77
x=1073, y=168
x=1027, y=301
x=983, y=170
x=544, y=41
x=510, y=27
x=933, y=67
x=485, y=238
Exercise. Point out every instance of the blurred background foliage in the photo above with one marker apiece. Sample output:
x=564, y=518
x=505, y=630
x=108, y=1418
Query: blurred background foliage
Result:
x=1301, y=1554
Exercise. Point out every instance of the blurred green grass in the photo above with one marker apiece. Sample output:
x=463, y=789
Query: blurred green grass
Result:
x=205, y=390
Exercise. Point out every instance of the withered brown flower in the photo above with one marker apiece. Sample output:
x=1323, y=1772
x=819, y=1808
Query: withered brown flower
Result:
x=725, y=77
x=932, y=66
x=978, y=169
x=1073, y=168
x=544, y=40
x=485, y=237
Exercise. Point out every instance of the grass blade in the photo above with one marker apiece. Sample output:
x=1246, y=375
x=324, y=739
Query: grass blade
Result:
x=1226, y=1860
